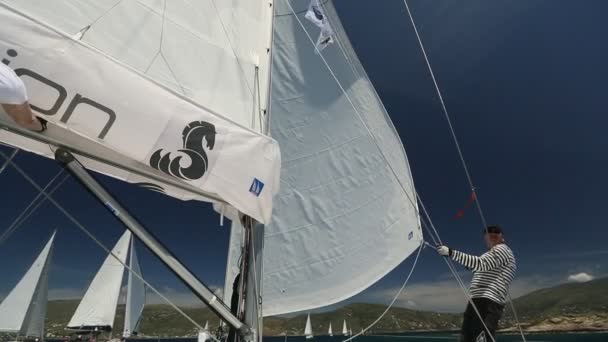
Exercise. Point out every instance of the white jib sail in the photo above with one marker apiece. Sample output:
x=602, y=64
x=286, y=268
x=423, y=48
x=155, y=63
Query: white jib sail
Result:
x=344, y=329
x=24, y=309
x=136, y=295
x=329, y=331
x=346, y=213
x=97, y=308
x=155, y=112
x=308, y=328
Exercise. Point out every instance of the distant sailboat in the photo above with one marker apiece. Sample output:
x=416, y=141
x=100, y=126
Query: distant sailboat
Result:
x=329, y=331
x=308, y=329
x=24, y=309
x=206, y=326
x=136, y=296
x=344, y=329
x=97, y=309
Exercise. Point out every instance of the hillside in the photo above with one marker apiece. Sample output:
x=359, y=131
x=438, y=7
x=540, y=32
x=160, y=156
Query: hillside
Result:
x=572, y=306
x=575, y=306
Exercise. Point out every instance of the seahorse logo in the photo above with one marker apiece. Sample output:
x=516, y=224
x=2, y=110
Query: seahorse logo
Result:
x=193, y=137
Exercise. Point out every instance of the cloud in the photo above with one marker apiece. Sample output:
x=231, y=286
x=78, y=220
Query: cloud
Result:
x=580, y=277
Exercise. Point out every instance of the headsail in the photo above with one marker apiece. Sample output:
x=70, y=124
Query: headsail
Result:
x=329, y=331
x=346, y=214
x=196, y=116
x=23, y=311
x=136, y=295
x=344, y=329
x=97, y=308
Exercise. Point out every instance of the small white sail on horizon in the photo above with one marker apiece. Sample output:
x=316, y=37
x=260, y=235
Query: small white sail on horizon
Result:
x=344, y=329
x=329, y=331
x=23, y=311
x=206, y=326
x=97, y=309
x=308, y=329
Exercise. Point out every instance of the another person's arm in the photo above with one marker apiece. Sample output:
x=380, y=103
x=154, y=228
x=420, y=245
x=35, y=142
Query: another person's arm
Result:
x=23, y=116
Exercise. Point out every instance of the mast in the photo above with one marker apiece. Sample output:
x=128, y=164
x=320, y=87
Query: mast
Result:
x=155, y=246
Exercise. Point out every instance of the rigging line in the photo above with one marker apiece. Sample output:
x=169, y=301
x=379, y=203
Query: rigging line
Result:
x=85, y=29
x=5, y=164
x=256, y=289
x=360, y=117
x=455, y=138
x=407, y=279
x=459, y=280
x=92, y=237
x=300, y=11
x=30, y=209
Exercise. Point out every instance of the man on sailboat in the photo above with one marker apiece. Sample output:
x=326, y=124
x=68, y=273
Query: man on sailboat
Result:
x=13, y=98
x=492, y=274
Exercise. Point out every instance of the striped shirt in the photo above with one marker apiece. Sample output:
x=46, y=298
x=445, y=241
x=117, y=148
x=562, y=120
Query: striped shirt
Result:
x=492, y=272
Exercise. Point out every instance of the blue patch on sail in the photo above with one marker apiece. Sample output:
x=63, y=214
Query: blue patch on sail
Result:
x=410, y=235
x=256, y=187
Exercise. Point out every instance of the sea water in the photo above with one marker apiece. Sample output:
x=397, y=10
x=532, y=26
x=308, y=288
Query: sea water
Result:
x=432, y=337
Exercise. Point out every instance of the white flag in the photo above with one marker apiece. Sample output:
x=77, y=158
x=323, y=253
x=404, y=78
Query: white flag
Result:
x=316, y=16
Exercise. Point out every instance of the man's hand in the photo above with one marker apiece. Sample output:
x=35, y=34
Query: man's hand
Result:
x=444, y=250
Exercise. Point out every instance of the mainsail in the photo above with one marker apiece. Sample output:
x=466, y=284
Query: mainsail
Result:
x=23, y=311
x=344, y=329
x=346, y=213
x=136, y=295
x=329, y=331
x=170, y=94
x=97, y=308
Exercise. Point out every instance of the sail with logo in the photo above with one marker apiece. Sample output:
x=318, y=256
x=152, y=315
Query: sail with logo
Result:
x=177, y=96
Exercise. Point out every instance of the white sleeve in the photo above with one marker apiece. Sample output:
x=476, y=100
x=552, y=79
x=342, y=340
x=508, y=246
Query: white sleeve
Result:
x=12, y=89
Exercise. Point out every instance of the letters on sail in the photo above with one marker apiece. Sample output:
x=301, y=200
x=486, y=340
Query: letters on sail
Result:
x=132, y=127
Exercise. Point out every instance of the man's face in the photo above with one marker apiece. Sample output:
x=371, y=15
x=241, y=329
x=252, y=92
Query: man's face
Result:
x=493, y=239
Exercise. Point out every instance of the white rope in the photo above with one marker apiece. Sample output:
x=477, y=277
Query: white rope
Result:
x=31, y=208
x=455, y=138
x=92, y=237
x=9, y=159
x=420, y=248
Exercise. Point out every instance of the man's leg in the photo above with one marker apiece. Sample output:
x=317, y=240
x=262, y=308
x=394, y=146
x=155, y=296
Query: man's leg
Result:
x=472, y=327
x=492, y=317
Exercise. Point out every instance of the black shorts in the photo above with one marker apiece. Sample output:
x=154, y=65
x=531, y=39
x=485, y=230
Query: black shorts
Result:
x=472, y=328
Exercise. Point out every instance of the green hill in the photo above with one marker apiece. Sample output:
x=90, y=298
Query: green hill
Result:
x=565, y=307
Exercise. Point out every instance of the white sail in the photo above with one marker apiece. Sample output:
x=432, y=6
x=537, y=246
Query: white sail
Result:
x=196, y=92
x=345, y=215
x=308, y=328
x=344, y=329
x=24, y=309
x=206, y=326
x=97, y=308
x=136, y=295
x=329, y=331
x=235, y=246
